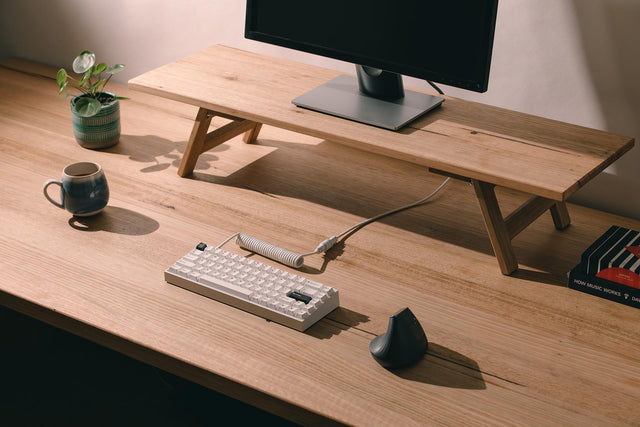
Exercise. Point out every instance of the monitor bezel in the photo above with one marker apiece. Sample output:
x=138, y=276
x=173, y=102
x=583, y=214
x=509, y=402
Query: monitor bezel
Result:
x=476, y=85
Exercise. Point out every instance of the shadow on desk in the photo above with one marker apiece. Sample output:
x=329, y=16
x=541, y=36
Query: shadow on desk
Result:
x=352, y=181
x=340, y=319
x=446, y=368
x=118, y=220
x=161, y=152
x=365, y=185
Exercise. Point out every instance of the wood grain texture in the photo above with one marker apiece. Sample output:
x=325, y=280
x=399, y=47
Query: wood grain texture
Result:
x=503, y=350
x=531, y=210
x=531, y=154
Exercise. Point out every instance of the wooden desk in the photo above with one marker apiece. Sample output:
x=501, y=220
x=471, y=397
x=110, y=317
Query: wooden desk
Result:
x=484, y=145
x=520, y=349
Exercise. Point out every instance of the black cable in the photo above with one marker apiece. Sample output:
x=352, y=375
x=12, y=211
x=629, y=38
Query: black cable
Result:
x=433, y=85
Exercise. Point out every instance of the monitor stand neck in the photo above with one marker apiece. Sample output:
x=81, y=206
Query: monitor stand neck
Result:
x=379, y=83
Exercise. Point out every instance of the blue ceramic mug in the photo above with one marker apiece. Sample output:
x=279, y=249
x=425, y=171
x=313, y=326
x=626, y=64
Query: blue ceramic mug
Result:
x=83, y=189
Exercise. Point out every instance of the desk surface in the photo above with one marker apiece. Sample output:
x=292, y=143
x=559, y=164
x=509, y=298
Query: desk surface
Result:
x=515, y=150
x=520, y=349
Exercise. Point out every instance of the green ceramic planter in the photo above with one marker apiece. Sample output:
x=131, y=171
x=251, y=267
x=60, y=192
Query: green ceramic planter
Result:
x=99, y=131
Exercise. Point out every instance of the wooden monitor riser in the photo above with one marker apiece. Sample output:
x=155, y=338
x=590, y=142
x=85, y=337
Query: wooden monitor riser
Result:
x=484, y=145
x=501, y=230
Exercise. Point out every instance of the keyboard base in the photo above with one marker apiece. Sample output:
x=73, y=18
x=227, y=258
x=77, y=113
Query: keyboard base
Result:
x=299, y=325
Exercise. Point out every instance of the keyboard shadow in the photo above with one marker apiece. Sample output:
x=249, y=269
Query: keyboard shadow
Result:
x=340, y=319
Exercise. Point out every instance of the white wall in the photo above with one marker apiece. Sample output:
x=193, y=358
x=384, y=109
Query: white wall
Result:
x=571, y=60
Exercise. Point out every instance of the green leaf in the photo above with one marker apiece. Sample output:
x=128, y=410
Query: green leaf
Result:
x=100, y=68
x=61, y=77
x=115, y=69
x=87, y=107
x=121, y=97
x=84, y=61
x=63, y=86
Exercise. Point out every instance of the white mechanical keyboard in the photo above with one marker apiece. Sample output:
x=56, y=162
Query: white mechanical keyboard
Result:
x=249, y=285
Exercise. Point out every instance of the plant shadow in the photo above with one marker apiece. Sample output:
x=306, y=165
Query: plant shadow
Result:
x=161, y=153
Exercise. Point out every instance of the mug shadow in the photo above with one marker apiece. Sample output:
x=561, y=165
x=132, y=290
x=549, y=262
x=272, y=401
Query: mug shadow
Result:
x=116, y=220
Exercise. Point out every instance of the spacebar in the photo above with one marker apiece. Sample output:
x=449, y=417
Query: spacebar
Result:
x=226, y=287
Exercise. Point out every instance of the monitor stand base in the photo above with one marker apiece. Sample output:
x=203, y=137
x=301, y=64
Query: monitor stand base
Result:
x=341, y=97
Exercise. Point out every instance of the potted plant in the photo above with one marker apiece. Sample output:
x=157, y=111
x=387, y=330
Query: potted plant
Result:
x=95, y=112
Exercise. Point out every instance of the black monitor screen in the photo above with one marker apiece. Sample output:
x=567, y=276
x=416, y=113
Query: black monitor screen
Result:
x=446, y=41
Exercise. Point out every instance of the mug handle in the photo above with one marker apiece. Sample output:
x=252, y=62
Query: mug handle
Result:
x=44, y=190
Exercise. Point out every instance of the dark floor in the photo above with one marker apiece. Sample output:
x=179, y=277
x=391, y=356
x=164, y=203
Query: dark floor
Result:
x=51, y=378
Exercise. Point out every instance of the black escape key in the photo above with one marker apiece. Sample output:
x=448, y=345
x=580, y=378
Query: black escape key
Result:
x=299, y=296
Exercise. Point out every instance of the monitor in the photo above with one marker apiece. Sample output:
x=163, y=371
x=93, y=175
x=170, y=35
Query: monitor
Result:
x=443, y=41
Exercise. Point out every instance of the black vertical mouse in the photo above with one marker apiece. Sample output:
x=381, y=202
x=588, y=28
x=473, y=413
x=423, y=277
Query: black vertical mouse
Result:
x=403, y=344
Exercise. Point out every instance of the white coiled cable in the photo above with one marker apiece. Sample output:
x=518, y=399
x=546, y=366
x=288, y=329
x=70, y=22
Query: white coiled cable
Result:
x=269, y=250
x=295, y=260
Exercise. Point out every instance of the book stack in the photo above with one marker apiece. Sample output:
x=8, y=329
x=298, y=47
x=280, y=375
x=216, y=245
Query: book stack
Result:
x=610, y=267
